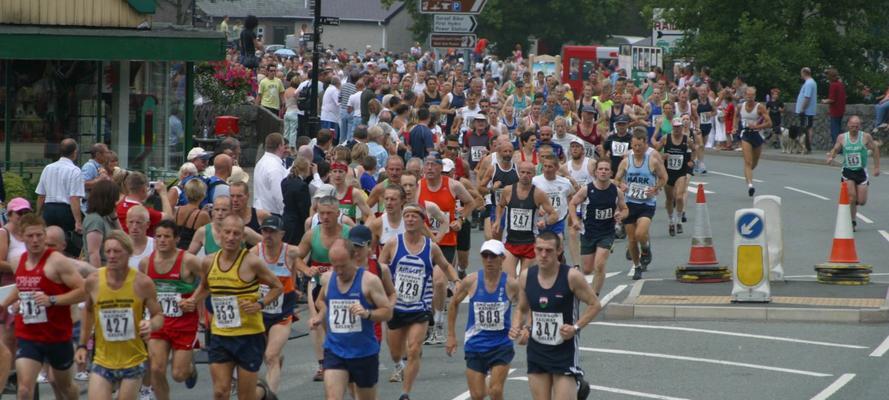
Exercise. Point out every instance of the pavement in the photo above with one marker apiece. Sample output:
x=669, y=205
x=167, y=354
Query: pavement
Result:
x=683, y=358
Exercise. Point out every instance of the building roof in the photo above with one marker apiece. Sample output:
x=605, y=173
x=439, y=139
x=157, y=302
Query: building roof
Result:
x=349, y=10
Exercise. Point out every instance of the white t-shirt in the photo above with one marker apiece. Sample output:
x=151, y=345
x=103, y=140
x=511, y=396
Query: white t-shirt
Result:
x=303, y=84
x=468, y=116
x=136, y=258
x=330, y=105
x=355, y=103
x=557, y=191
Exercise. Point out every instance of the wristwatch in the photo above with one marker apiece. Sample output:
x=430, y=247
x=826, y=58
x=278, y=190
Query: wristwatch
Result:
x=576, y=328
x=261, y=303
x=52, y=300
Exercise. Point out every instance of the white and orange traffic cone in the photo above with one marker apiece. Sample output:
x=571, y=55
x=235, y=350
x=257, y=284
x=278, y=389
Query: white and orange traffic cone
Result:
x=702, y=263
x=843, y=266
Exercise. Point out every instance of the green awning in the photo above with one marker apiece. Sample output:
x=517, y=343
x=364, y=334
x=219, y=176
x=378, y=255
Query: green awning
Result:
x=101, y=44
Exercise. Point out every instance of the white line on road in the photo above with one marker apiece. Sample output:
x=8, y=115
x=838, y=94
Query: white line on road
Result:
x=608, y=297
x=589, y=278
x=817, y=196
x=726, y=333
x=881, y=349
x=694, y=190
x=465, y=395
x=884, y=234
x=706, y=361
x=864, y=219
x=618, y=391
x=735, y=176
x=834, y=387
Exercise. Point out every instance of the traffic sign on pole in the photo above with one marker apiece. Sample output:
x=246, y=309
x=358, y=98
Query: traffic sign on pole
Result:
x=452, y=6
x=750, y=270
x=332, y=21
x=459, y=41
x=453, y=23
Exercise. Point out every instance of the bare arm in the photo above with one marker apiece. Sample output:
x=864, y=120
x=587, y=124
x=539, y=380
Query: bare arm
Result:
x=145, y=288
x=94, y=243
x=583, y=291
x=197, y=241
x=467, y=287
x=518, y=331
x=377, y=296
x=542, y=201
x=439, y=260
x=70, y=277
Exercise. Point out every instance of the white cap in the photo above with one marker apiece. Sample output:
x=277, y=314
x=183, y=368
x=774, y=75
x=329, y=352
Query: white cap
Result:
x=325, y=190
x=576, y=140
x=493, y=246
x=197, y=152
x=447, y=165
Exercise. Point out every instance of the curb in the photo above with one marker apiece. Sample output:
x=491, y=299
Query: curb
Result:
x=629, y=311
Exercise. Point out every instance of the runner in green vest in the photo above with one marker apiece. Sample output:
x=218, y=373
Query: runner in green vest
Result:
x=854, y=145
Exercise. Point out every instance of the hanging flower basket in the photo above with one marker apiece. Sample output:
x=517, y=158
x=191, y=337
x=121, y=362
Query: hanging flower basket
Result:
x=223, y=83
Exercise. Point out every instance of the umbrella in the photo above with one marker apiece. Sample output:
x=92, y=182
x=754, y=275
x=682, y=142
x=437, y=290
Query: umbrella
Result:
x=285, y=53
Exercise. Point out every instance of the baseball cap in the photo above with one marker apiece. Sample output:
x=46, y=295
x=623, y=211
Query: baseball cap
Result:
x=18, y=204
x=272, y=222
x=677, y=121
x=480, y=117
x=520, y=84
x=325, y=190
x=447, y=165
x=576, y=140
x=493, y=246
x=198, y=152
x=622, y=119
x=359, y=235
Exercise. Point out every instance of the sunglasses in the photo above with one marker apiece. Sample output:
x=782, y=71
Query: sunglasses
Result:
x=489, y=255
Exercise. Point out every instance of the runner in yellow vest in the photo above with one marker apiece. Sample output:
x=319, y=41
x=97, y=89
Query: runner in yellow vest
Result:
x=117, y=298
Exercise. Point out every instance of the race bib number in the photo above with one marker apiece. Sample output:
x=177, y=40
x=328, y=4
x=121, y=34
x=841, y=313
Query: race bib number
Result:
x=520, y=219
x=477, y=152
x=637, y=191
x=118, y=324
x=853, y=160
x=607, y=213
x=274, y=306
x=489, y=316
x=170, y=304
x=619, y=149
x=409, y=284
x=226, y=312
x=545, y=328
x=435, y=225
x=341, y=318
x=674, y=161
x=32, y=313
x=589, y=150
x=706, y=118
x=556, y=199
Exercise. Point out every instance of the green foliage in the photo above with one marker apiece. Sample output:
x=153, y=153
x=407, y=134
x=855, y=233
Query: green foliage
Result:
x=770, y=41
x=17, y=187
x=553, y=22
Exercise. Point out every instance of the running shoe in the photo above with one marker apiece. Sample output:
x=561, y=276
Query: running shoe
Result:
x=683, y=217
x=645, y=257
x=672, y=229
x=679, y=228
x=269, y=394
x=435, y=335
x=750, y=191
x=193, y=379
x=319, y=375
x=703, y=170
x=583, y=389
x=404, y=396
x=145, y=393
x=637, y=274
x=41, y=378
x=461, y=273
x=82, y=376
x=696, y=169
x=854, y=226
x=398, y=374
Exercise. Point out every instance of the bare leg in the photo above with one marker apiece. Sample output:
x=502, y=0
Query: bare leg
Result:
x=99, y=388
x=497, y=380
x=415, y=335
x=278, y=335
x=509, y=264
x=601, y=258
x=541, y=386
x=335, y=383
x=632, y=242
x=853, y=198
x=221, y=374
x=574, y=244
x=247, y=389
x=26, y=376
x=476, y=383
x=129, y=389
x=160, y=352
x=564, y=387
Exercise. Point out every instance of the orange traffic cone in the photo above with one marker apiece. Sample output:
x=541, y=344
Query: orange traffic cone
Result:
x=702, y=250
x=843, y=250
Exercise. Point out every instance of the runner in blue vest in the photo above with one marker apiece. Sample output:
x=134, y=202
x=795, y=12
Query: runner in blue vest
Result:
x=487, y=347
x=350, y=302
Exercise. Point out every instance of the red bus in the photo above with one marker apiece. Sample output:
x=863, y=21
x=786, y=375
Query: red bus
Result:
x=578, y=62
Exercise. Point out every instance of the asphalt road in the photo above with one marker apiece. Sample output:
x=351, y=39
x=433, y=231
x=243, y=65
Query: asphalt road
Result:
x=694, y=359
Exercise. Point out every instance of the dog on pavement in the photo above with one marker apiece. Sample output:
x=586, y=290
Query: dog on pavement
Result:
x=793, y=140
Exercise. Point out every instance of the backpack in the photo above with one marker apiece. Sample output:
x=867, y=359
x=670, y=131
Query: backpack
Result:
x=303, y=97
x=212, y=182
x=182, y=200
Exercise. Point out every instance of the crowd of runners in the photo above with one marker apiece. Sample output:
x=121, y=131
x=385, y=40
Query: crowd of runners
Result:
x=369, y=223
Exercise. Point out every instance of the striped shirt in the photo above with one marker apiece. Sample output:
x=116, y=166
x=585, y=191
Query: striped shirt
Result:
x=60, y=181
x=346, y=91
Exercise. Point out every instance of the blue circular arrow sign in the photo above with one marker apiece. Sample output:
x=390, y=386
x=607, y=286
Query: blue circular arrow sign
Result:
x=749, y=226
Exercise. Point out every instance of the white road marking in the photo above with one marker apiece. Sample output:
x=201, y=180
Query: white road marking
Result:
x=864, y=219
x=735, y=176
x=706, y=361
x=881, y=349
x=589, y=278
x=608, y=297
x=817, y=196
x=694, y=190
x=726, y=333
x=884, y=234
x=834, y=387
x=618, y=391
x=465, y=395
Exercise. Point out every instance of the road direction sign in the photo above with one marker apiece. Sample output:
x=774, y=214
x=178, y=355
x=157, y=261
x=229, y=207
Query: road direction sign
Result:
x=308, y=37
x=332, y=21
x=460, y=41
x=663, y=33
x=452, y=6
x=454, y=23
x=750, y=226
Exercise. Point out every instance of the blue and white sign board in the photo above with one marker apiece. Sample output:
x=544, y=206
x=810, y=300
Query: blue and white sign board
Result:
x=771, y=208
x=750, y=265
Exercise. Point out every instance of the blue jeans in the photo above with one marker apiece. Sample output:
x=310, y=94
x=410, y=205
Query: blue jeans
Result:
x=882, y=109
x=836, y=126
x=347, y=126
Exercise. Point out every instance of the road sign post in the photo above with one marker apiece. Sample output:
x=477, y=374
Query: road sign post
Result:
x=459, y=41
x=750, y=272
x=771, y=208
x=452, y=6
x=453, y=23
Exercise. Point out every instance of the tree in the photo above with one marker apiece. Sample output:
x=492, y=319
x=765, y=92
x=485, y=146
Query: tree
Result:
x=770, y=41
x=553, y=22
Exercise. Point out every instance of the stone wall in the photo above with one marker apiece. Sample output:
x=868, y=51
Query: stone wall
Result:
x=821, y=137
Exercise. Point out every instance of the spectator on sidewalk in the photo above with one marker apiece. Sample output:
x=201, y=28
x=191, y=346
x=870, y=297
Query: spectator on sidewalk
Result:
x=836, y=98
x=882, y=110
x=806, y=102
